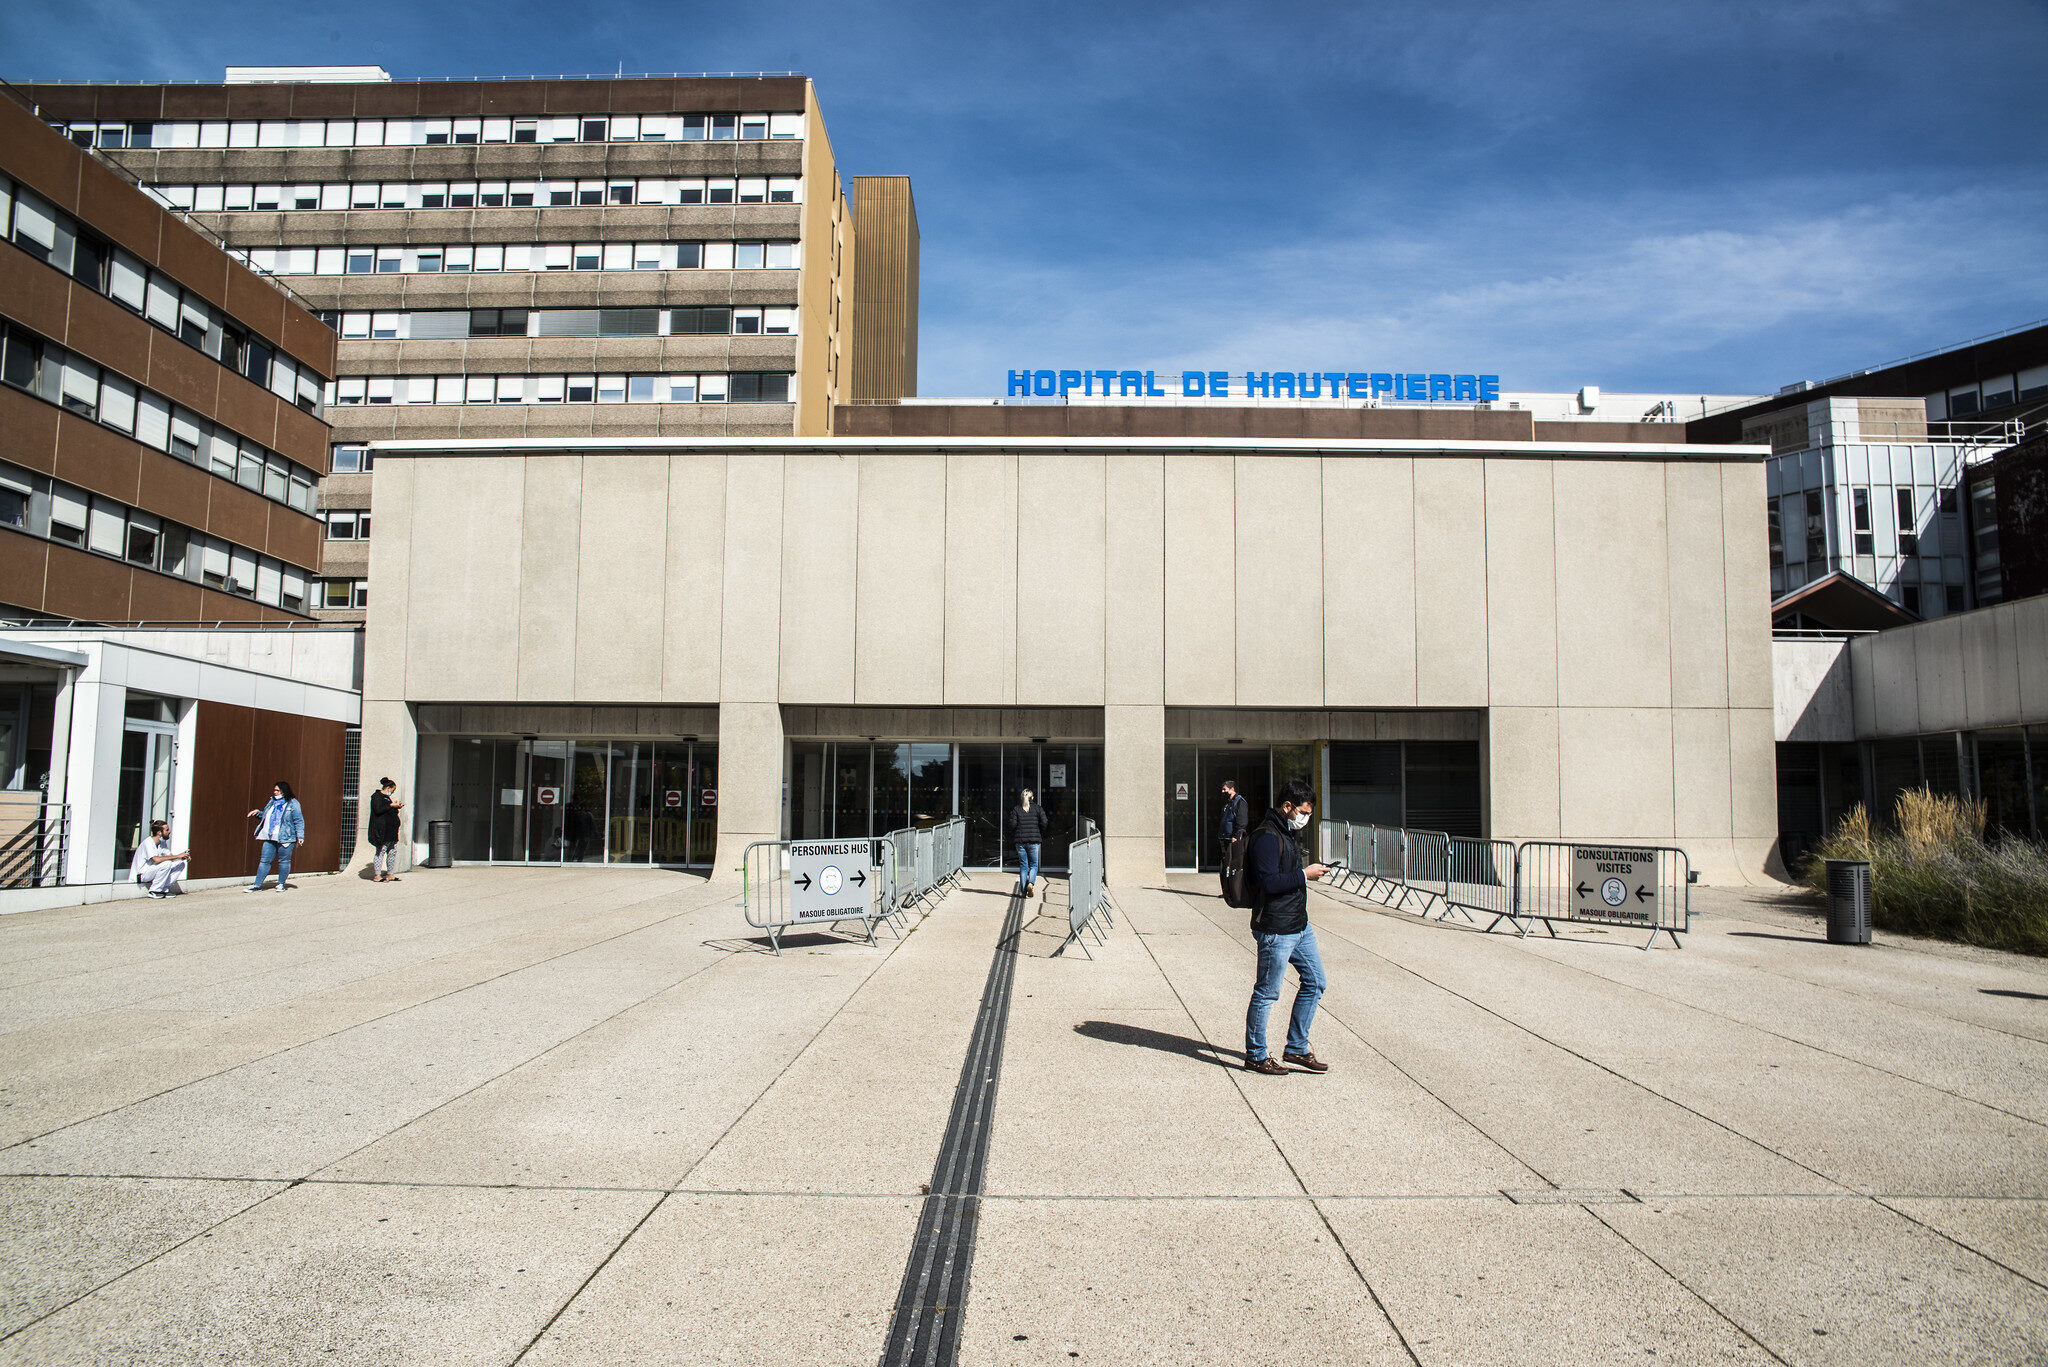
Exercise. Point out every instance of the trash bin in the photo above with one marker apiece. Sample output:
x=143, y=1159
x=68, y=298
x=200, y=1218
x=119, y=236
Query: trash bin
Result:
x=440, y=844
x=1848, y=901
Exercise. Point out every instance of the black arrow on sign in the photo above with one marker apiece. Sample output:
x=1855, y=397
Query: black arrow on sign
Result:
x=860, y=880
x=802, y=882
x=1641, y=896
x=1583, y=889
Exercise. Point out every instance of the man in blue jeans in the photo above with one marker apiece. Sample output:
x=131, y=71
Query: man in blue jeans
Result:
x=1279, y=883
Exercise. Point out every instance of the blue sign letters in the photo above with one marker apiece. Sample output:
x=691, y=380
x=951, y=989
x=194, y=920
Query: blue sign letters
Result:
x=1373, y=386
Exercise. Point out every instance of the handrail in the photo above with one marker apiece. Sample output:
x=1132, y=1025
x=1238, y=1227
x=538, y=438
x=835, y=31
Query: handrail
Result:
x=467, y=80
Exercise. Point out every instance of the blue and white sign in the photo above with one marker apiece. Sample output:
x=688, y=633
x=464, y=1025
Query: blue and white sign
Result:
x=1372, y=386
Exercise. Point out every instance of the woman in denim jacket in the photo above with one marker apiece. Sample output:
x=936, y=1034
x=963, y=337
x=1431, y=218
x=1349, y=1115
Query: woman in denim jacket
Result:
x=282, y=830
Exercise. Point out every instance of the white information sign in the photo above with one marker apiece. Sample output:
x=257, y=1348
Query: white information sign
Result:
x=1614, y=884
x=1180, y=792
x=829, y=880
x=1055, y=775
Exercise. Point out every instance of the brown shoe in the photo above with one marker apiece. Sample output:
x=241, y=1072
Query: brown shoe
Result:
x=1308, y=1063
x=1265, y=1065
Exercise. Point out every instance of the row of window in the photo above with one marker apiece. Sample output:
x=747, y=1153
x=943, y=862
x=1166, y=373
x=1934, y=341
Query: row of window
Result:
x=446, y=389
x=351, y=460
x=51, y=372
x=455, y=259
x=487, y=194
x=1805, y=514
x=453, y=324
x=348, y=526
x=1999, y=391
x=50, y=508
x=53, y=236
x=435, y=132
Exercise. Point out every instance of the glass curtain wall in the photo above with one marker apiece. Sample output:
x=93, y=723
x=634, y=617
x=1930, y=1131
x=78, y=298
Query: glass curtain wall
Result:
x=583, y=802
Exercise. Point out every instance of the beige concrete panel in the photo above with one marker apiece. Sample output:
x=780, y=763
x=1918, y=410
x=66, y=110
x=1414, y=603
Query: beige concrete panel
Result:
x=390, y=746
x=1134, y=646
x=551, y=533
x=1521, y=584
x=1894, y=680
x=1279, y=537
x=692, y=607
x=1701, y=797
x=1522, y=773
x=1201, y=581
x=750, y=637
x=2030, y=632
x=1989, y=648
x=1863, y=684
x=1699, y=585
x=1060, y=556
x=465, y=566
x=750, y=761
x=821, y=508
x=1614, y=773
x=1613, y=589
x=1369, y=581
x=900, y=655
x=1753, y=783
x=1746, y=568
x=1134, y=792
x=1938, y=674
x=391, y=570
x=619, y=599
x=1450, y=582
x=981, y=579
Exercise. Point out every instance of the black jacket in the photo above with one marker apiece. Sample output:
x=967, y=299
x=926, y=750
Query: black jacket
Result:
x=1273, y=867
x=383, y=820
x=1236, y=816
x=1028, y=824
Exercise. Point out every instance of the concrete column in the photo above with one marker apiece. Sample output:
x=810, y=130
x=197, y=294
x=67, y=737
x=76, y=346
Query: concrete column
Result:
x=1134, y=794
x=391, y=743
x=749, y=780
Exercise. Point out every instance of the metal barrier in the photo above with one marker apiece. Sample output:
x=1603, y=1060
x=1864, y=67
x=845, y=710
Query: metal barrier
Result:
x=1426, y=871
x=1333, y=847
x=1648, y=887
x=1087, y=893
x=1482, y=877
x=774, y=897
x=32, y=852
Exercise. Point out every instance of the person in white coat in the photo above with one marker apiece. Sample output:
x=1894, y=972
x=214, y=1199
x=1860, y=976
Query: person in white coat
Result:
x=157, y=864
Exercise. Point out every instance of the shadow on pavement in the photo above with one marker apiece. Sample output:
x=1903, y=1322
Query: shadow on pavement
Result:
x=760, y=944
x=1767, y=935
x=2014, y=992
x=1111, y=1032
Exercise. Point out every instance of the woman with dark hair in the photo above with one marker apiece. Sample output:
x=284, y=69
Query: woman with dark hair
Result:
x=384, y=830
x=282, y=829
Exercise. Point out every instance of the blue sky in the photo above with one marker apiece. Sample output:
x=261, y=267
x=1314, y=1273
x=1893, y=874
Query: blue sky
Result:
x=1698, y=197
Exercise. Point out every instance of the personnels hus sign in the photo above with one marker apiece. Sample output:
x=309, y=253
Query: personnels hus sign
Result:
x=1376, y=386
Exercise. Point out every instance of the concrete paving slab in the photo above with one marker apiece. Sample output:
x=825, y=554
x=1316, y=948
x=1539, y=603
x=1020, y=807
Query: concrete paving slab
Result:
x=350, y=1274
x=64, y=1237
x=1144, y=1282
x=1840, y=1280
x=1487, y=1281
x=743, y=1280
x=2011, y=1233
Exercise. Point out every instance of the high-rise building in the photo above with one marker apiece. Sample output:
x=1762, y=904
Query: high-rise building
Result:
x=523, y=258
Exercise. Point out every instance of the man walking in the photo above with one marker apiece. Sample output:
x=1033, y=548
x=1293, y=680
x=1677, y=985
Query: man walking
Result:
x=1028, y=828
x=1236, y=814
x=1279, y=883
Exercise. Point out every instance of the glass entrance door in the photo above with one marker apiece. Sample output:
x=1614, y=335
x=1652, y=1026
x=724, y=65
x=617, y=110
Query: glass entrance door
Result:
x=148, y=778
x=1253, y=771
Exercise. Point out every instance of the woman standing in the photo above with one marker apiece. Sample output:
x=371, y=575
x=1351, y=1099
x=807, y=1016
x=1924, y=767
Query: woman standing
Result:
x=384, y=809
x=1027, y=828
x=282, y=829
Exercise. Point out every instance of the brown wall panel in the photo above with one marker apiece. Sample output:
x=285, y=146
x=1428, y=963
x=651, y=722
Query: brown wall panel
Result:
x=174, y=489
x=242, y=751
x=245, y=408
x=31, y=293
x=39, y=156
x=302, y=437
x=24, y=561
x=101, y=329
x=113, y=208
x=258, y=304
x=28, y=430
x=238, y=515
x=89, y=587
x=98, y=458
x=184, y=375
x=295, y=538
x=201, y=267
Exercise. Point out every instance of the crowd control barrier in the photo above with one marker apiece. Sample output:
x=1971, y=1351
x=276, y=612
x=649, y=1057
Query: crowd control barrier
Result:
x=785, y=883
x=1087, y=894
x=1593, y=882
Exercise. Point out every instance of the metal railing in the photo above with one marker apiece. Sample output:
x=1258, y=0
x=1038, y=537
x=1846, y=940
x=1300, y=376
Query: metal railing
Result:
x=32, y=853
x=1587, y=882
x=1087, y=893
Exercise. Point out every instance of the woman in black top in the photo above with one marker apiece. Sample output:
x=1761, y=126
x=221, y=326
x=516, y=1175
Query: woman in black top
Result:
x=384, y=830
x=1028, y=829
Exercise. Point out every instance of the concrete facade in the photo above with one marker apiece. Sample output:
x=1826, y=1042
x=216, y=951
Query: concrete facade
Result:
x=1599, y=608
x=1972, y=672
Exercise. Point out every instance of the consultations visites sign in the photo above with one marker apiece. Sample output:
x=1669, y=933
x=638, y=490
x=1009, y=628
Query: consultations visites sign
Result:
x=1380, y=385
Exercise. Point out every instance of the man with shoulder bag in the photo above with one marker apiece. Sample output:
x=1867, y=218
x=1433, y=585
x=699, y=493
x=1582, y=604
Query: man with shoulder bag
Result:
x=1277, y=881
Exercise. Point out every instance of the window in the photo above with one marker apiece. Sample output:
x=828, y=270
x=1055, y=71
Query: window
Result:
x=68, y=514
x=342, y=526
x=1909, y=598
x=348, y=460
x=1864, y=541
x=1777, y=537
x=143, y=535
x=1909, y=524
x=1816, y=529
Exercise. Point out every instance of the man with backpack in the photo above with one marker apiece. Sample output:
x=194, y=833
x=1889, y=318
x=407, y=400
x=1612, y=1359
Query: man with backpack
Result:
x=1236, y=815
x=1277, y=883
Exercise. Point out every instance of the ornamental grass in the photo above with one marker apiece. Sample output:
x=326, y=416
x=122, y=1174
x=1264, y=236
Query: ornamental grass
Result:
x=1934, y=874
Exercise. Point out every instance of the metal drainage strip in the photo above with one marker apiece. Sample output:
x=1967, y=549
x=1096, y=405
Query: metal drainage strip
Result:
x=925, y=1329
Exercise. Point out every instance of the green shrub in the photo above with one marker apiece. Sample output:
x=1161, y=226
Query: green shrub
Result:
x=1935, y=875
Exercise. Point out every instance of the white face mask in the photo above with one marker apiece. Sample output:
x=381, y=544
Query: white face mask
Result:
x=1298, y=820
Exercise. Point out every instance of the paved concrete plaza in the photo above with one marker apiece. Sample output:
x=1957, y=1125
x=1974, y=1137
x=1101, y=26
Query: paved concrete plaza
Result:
x=498, y=1115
